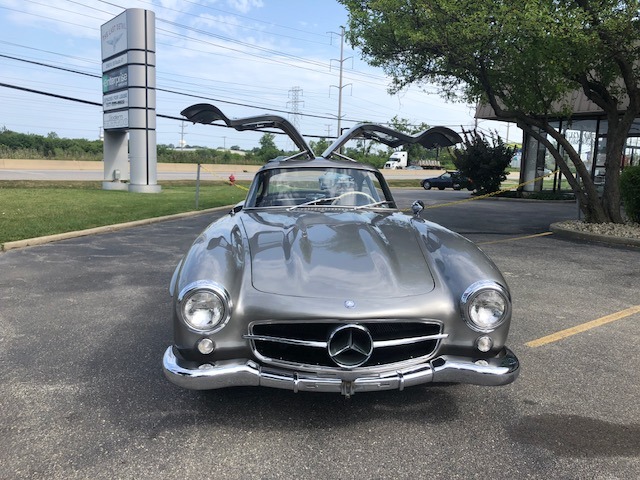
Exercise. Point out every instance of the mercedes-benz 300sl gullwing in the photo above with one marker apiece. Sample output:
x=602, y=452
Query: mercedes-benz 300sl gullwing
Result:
x=318, y=282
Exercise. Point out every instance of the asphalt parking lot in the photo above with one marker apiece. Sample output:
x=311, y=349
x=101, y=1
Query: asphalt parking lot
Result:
x=84, y=323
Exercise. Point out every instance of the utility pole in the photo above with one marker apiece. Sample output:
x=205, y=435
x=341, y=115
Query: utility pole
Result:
x=182, y=141
x=340, y=86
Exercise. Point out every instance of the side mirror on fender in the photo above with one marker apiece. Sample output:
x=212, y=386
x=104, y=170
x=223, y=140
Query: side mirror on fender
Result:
x=417, y=207
x=236, y=208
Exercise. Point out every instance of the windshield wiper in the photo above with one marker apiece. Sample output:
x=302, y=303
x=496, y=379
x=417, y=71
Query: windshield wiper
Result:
x=372, y=205
x=331, y=199
x=315, y=201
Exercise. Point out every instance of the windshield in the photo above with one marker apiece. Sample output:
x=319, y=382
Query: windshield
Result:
x=303, y=187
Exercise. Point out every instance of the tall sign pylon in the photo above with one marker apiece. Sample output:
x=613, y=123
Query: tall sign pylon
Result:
x=129, y=102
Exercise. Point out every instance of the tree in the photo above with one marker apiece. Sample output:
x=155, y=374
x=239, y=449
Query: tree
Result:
x=268, y=149
x=320, y=146
x=483, y=162
x=630, y=190
x=523, y=58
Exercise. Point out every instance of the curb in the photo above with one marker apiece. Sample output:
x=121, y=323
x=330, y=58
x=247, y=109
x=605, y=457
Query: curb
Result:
x=563, y=232
x=30, y=242
x=528, y=200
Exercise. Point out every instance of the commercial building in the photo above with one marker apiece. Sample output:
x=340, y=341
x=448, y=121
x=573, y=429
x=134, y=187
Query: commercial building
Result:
x=586, y=130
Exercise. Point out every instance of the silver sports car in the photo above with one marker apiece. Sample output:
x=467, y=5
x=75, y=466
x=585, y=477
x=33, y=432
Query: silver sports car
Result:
x=318, y=282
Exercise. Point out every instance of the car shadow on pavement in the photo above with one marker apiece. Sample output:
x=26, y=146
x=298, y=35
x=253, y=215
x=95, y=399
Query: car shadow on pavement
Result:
x=126, y=367
x=577, y=436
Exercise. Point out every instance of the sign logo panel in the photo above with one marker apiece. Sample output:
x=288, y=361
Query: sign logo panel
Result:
x=115, y=80
x=116, y=100
x=116, y=120
x=114, y=36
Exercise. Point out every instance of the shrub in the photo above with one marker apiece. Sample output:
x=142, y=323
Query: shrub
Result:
x=484, y=162
x=630, y=192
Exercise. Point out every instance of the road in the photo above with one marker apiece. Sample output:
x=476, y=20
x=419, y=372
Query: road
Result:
x=98, y=175
x=93, y=171
x=84, y=323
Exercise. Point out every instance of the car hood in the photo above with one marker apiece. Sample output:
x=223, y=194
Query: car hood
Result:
x=346, y=254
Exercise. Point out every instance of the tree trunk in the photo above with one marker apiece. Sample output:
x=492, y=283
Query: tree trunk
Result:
x=611, y=195
x=618, y=129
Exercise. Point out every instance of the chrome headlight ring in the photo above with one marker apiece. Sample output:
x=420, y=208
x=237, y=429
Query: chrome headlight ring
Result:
x=204, y=306
x=485, y=305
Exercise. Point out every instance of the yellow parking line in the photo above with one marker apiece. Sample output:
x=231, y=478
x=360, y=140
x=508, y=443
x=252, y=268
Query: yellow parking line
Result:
x=554, y=337
x=515, y=238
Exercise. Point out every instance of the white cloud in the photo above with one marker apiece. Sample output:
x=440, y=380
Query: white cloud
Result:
x=227, y=24
x=249, y=61
x=244, y=6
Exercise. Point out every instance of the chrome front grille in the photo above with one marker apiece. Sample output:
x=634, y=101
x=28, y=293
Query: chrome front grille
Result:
x=343, y=344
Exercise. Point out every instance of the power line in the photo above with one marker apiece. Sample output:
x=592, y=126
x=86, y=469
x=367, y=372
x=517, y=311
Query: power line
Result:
x=226, y=12
x=175, y=92
x=268, y=55
x=98, y=104
x=48, y=94
x=33, y=62
x=95, y=62
x=261, y=54
x=244, y=27
x=210, y=34
x=46, y=18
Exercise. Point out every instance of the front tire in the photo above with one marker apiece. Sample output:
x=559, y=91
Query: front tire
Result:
x=426, y=185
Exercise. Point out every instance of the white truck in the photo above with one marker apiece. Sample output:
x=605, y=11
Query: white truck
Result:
x=399, y=160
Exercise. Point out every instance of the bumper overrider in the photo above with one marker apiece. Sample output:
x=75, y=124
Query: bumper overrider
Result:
x=499, y=370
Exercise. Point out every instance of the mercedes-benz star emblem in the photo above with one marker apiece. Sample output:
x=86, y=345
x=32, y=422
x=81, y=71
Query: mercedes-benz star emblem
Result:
x=350, y=345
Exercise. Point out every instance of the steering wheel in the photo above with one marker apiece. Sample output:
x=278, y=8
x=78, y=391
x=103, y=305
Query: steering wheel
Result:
x=338, y=200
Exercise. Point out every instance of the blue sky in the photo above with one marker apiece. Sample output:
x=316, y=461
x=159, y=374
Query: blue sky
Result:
x=245, y=56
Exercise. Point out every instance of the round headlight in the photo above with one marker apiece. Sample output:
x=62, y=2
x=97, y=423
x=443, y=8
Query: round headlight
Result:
x=485, y=305
x=203, y=308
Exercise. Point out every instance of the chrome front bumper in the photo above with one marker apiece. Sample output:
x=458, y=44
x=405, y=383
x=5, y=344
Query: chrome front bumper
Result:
x=236, y=373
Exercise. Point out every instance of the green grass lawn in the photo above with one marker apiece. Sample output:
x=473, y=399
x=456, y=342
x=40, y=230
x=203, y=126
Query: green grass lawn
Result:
x=34, y=209
x=30, y=209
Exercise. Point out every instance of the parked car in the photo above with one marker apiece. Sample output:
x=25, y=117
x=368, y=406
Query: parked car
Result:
x=306, y=289
x=452, y=179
